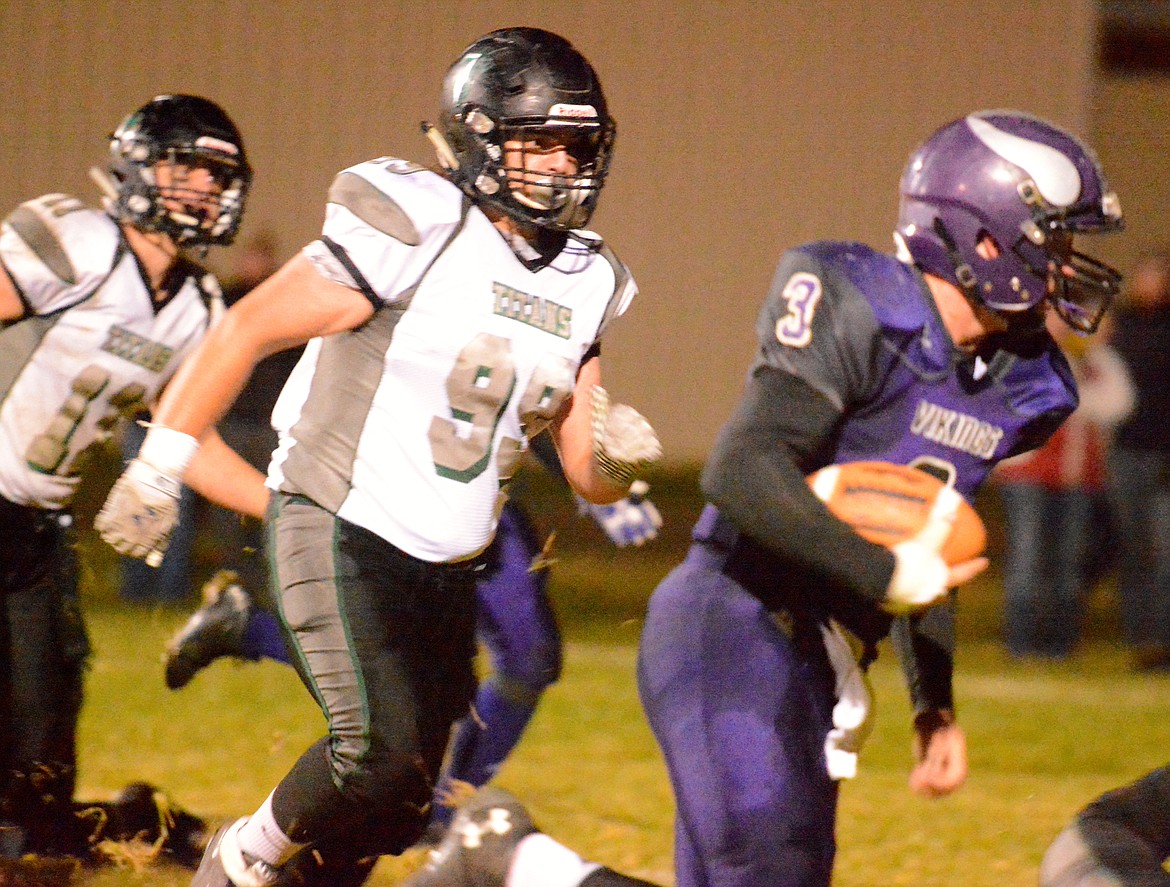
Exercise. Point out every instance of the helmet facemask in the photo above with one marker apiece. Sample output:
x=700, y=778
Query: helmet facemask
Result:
x=1078, y=287
x=172, y=197
x=510, y=177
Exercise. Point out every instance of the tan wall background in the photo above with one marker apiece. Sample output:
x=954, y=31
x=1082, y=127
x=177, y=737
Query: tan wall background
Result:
x=744, y=127
x=1131, y=129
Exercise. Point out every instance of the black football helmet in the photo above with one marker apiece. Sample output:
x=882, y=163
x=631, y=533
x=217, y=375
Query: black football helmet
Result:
x=188, y=131
x=526, y=85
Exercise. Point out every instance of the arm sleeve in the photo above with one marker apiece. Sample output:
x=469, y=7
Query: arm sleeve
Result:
x=756, y=477
x=925, y=645
x=818, y=357
x=545, y=451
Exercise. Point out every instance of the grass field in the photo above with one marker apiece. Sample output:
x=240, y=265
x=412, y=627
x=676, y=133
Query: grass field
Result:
x=1044, y=737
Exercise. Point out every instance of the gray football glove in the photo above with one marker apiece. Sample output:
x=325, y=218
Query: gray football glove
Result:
x=141, y=511
x=623, y=441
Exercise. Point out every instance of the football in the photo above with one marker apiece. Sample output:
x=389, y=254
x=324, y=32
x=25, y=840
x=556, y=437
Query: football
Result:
x=888, y=503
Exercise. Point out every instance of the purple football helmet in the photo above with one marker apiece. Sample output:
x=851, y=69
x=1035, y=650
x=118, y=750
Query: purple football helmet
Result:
x=1029, y=185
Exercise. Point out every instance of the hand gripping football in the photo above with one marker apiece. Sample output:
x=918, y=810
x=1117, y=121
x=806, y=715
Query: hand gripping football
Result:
x=888, y=504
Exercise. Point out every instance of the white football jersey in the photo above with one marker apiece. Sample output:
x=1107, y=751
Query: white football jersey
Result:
x=411, y=425
x=92, y=348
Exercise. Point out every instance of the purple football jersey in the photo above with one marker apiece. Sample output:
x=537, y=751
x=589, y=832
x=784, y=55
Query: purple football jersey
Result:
x=860, y=328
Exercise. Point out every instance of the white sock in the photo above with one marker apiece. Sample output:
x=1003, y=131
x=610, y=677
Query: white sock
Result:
x=539, y=861
x=260, y=837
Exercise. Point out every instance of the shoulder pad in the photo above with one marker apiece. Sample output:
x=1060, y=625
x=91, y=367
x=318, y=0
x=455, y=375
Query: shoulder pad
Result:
x=72, y=240
x=34, y=223
x=374, y=207
x=398, y=166
x=892, y=288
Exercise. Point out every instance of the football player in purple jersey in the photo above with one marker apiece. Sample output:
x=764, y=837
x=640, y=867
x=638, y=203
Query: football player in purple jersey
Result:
x=752, y=658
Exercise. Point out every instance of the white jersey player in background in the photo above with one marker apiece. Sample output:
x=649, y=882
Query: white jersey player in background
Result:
x=450, y=316
x=97, y=310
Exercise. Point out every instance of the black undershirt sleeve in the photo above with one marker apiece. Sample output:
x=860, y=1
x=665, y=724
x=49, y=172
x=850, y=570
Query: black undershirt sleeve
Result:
x=756, y=477
x=545, y=451
x=925, y=645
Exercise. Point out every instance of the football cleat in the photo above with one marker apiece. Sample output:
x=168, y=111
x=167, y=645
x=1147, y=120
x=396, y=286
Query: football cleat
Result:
x=226, y=865
x=478, y=848
x=216, y=629
x=309, y=868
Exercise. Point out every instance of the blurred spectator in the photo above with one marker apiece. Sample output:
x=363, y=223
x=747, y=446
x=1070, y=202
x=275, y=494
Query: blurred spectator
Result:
x=1048, y=500
x=1140, y=465
x=226, y=538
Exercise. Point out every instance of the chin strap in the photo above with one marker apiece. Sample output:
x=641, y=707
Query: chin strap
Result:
x=447, y=158
x=964, y=273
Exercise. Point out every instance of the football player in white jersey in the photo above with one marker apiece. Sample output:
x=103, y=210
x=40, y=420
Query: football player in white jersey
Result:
x=97, y=310
x=449, y=316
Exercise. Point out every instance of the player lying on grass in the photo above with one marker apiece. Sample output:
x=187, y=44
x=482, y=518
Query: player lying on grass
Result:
x=1121, y=839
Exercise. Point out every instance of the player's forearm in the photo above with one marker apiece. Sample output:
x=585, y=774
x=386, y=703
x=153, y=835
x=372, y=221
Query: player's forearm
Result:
x=925, y=646
x=576, y=436
x=574, y=440
x=752, y=476
x=222, y=476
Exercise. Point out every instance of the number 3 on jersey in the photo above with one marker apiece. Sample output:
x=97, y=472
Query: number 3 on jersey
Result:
x=479, y=389
x=801, y=294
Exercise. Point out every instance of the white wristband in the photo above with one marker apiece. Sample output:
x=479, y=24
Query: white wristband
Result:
x=167, y=450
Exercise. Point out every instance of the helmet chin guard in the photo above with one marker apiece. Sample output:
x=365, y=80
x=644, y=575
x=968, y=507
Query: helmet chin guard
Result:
x=1029, y=187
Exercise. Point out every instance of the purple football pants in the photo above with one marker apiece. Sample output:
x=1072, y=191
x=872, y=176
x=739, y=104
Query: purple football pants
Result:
x=515, y=623
x=741, y=712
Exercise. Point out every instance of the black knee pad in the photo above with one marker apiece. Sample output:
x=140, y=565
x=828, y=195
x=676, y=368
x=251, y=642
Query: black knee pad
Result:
x=396, y=788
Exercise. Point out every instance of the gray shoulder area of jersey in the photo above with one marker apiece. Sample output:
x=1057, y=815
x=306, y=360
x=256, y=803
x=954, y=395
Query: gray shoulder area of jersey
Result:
x=374, y=207
x=42, y=241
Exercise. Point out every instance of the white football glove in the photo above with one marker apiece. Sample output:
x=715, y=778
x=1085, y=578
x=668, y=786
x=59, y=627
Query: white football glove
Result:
x=920, y=573
x=623, y=441
x=633, y=520
x=142, y=509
